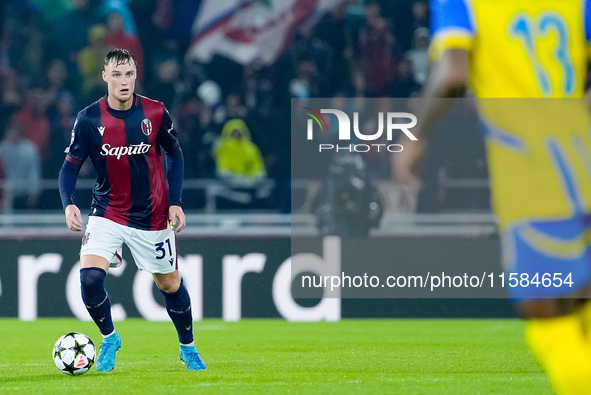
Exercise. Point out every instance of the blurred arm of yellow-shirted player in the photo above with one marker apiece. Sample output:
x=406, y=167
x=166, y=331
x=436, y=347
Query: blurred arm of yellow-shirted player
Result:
x=520, y=49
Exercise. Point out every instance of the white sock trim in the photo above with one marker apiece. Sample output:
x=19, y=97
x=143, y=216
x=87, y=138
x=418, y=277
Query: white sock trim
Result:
x=192, y=344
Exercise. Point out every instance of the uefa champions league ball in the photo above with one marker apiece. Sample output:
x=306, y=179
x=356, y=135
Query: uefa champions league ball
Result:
x=74, y=353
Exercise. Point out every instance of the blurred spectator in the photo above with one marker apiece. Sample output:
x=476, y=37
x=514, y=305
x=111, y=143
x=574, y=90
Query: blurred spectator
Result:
x=196, y=136
x=28, y=46
x=184, y=13
x=359, y=85
x=53, y=11
x=406, y=16
x=5, y=206
x=210, y=92
x=33, y=121
x=23, y=169
x=167, y=86
x=378, y=51
x=405, y=84
x=232, y=108
x=5, y=45
x=334, y=29
x=240, y=165
x=69, y=35
x=419, y=54
x=306, y=67
x=90, y=64
x=163, y=15
x=61, y=109
x=238, y=160
x=307, y=47
x=420, y=14
x=307, y=82
x=162, y=46
x=121, y=8
x=61, y=120
x=56, y=82
x=262, y=110
x=258, y=88
x=56, y=75
x=117, y=37
x=10, y=96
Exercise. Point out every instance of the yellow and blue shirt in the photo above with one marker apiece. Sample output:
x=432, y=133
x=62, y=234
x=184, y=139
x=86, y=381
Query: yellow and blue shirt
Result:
x=527, y=68
x=519, y=48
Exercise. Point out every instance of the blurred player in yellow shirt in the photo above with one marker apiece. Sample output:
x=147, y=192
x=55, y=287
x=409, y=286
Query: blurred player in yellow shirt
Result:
x=526, y=63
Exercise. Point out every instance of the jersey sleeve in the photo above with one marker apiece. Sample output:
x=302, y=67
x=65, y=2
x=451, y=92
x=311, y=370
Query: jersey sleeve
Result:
x=167, y=136
x=452, y=26
x=77, y=151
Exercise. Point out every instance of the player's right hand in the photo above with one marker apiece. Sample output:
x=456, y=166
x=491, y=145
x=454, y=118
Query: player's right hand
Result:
x=73, y=218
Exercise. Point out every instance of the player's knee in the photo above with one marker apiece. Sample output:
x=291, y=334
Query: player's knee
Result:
x=92, y=282
x=168, y=283
x=169, y=286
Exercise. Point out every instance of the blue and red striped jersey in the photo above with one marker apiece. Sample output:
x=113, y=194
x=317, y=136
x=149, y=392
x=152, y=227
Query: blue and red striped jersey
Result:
x=124, y=147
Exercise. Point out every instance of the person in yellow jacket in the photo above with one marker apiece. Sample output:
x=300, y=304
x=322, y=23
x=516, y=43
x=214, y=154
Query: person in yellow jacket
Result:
x=237, y=158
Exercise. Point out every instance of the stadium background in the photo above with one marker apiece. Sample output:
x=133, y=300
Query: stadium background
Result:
x=50, y=61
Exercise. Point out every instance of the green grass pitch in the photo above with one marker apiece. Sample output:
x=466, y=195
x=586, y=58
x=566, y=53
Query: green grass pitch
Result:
x=274, y=356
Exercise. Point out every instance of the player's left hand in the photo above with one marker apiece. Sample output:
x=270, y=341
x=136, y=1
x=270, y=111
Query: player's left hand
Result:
x=177, y=216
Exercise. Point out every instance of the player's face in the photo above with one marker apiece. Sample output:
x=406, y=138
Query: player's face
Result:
x=120, y=81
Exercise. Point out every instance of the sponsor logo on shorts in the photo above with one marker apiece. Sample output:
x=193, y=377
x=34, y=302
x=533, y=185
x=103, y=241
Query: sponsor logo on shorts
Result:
x=85, y=238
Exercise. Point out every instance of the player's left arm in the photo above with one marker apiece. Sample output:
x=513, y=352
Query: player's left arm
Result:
x=448, y=79
x=175, y=167
x=454, y=32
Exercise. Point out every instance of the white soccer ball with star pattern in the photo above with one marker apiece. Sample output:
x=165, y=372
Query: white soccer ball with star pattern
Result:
x=74, y=353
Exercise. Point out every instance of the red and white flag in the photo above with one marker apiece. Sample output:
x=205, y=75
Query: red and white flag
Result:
x=249, y=30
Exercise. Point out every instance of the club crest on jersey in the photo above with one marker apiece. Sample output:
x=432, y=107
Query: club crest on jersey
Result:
x=147, y=126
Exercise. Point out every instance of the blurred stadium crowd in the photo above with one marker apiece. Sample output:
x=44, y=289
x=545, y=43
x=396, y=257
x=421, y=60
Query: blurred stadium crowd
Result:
x=51, y=58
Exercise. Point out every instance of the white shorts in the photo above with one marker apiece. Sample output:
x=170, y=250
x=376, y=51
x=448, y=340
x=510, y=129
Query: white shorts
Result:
x=153, y=250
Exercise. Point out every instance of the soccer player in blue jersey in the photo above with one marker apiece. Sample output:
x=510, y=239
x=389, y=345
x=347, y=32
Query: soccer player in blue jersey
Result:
x=124, y=134
x=539, y=156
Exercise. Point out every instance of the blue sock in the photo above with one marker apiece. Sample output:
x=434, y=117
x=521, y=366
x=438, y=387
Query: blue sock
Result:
x=178, y=306
x=96, y=300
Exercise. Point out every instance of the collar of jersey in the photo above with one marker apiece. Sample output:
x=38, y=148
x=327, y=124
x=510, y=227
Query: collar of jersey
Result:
x=121, y=114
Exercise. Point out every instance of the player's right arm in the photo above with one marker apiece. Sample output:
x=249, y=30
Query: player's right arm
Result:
x=76, y=154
